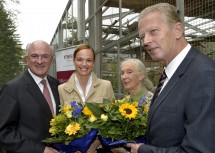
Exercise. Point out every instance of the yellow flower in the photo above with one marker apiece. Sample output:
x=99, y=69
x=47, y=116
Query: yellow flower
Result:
x=92, y=118
x=119, y=101
x=128, y=110
x=53, y=131
x=66, y=108
x=53, y=122
x=68, y=114
x=135, y=104
x=87, y=111
x=72, y=128
x=104, y=117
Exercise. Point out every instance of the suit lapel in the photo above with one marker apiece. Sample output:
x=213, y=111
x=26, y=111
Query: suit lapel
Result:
x=34, y=90
x=172, y=82
x=164, y=93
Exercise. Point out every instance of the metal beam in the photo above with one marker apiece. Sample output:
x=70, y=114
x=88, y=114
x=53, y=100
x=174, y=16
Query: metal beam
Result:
x=121, y=40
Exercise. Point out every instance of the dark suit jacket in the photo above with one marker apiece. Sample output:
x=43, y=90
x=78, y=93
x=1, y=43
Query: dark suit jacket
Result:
x=182, y=118
x=25, y=115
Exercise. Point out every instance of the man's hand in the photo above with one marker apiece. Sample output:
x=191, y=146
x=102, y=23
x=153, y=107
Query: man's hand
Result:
x=134, y=147
x=50, y=150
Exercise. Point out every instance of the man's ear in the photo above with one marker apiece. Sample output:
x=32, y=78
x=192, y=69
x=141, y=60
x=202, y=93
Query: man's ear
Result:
x=179, y=30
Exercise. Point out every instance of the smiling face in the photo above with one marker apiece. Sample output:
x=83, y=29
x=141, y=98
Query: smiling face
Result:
x=158, y=37
x=131, y=78
x=84, y=62
x=39, y=58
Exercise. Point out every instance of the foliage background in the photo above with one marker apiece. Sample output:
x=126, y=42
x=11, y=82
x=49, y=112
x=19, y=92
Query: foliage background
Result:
x=10, y=47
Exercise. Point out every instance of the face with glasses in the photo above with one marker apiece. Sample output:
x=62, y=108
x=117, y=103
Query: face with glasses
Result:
x=39, y=58
x=84, y=62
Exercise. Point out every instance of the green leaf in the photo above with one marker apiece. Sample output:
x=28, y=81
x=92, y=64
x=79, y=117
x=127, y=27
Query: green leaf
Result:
x=95, y=108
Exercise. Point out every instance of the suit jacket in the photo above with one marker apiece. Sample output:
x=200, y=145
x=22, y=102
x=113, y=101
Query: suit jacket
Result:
x=25, y=115
x=182, y=118
x=99, y=90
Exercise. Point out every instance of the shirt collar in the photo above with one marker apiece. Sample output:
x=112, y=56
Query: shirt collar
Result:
x=89, y=83
x=36, y=78
x=139, y=95
x=173, y=65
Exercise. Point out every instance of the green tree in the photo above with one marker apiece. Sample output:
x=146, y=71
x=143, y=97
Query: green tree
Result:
x=10, y=50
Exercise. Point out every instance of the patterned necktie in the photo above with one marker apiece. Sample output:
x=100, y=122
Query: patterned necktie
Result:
x=47, y=95
x=161, y=81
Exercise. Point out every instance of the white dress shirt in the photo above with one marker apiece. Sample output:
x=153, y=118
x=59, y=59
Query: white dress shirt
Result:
x=89, y=83
x=173, y=65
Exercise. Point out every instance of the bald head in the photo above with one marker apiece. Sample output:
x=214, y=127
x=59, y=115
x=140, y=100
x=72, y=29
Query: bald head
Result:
x=39, y=57
x=38, y=44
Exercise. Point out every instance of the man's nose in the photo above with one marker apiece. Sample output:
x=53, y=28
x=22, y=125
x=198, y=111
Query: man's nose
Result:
x=39, y=59
x=146, y=40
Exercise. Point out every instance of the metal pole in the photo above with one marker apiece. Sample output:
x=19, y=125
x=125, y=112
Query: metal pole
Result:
x=180, y=9
x=118, y=50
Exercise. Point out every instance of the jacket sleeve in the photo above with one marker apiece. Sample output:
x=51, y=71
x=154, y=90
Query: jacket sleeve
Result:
x=10, y=138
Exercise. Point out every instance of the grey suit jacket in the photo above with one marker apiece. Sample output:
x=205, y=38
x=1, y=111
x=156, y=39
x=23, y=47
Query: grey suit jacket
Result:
x=182, y=118
x=25, y=115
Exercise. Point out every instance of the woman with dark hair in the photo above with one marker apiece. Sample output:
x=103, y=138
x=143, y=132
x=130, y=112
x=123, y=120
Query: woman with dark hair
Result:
x=84, y=85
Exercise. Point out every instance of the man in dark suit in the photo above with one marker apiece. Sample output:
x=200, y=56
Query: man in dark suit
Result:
x=24, y=112
x=182, y=117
